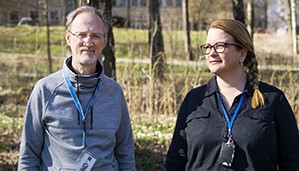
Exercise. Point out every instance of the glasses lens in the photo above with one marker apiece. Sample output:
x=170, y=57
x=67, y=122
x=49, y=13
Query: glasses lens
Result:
x=81, y=35
x=98, y=36
x=206, y=48
x=220, y=47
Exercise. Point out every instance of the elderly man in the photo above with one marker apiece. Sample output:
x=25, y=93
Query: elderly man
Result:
x=77, y=118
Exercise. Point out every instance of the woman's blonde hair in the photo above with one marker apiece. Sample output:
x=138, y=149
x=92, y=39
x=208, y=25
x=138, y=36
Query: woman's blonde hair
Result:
x=241, y=35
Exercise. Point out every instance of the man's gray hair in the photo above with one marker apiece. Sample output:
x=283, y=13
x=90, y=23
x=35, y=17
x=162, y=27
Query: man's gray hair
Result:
x=72, y=15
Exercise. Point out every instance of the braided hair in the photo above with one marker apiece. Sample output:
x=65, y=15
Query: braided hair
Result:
x=239, y=32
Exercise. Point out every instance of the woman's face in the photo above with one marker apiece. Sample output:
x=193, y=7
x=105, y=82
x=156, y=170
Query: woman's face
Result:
x=225, y=61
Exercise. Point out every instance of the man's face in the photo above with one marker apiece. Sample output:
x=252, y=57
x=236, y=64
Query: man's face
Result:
x=87, y=38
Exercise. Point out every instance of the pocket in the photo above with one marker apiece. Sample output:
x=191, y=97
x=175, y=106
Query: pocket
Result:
x=263, y=115
x=197, y=122
x=259, y=124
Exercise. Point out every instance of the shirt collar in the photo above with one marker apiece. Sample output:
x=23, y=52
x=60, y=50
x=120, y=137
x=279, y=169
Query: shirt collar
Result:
x=213, y=88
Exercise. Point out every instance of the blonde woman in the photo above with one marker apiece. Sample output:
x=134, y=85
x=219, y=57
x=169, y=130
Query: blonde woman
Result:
x=235, y=121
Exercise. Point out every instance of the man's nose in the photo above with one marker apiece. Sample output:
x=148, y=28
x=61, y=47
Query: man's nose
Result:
x=88, y=40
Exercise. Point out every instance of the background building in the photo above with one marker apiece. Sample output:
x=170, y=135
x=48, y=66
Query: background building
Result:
x=12, y=11
x=269, y=15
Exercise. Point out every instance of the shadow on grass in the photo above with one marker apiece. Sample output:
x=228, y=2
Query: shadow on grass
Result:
x=150, y=155
x=8, y=168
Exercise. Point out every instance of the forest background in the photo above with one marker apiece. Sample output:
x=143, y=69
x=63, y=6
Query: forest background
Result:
x=24, y=58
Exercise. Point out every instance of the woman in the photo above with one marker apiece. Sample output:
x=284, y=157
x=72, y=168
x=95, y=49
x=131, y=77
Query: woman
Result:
x=235, y=121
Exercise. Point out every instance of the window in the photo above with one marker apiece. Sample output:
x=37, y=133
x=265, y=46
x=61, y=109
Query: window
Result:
x=121, y=3
x=175, y=3
x=163, y=3
x=178, y=3
x=14, y=17
x=34, y=15
x=70, y=5
x=54, y=17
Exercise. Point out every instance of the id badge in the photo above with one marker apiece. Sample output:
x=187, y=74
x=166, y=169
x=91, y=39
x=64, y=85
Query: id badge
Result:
x=85, y=162
x=227, y=153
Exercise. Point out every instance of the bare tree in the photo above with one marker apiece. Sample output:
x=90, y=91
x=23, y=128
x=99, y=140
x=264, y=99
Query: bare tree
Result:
x=266, y=13
x=129, y=14
x=250, y=17
x=46, y=12
x=156, y=43
x=157, y=54
x=109, y=50
x=238, y=10
x=186, y=29
x=288, y=7
x=294, y=26
x=292, y=22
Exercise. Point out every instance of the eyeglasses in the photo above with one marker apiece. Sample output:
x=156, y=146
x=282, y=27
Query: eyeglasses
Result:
x=93, y=36
x=219, y=47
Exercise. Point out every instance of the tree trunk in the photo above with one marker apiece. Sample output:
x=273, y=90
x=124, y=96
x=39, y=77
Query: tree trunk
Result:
x=109, y=50
x=48, y=35
x=294, y=25
x=157, y=54
x=289, y=11
x=156, y=40
x=250, y=18
x=129, y=14
x=186, y=30
x=94, y=3
x=266, y=14
x=238, y=10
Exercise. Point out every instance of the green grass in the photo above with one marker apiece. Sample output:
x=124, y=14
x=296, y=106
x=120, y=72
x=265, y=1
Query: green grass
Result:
x=31, y=40
x=129, y=43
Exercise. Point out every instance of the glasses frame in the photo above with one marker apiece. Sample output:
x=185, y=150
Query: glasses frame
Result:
x=93, y=36
x=225, y=44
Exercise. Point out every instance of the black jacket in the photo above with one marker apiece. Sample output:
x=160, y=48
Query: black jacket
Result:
x=266, y=138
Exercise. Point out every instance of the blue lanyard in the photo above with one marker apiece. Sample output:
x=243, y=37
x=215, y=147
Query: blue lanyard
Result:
x=228, y=121
x=78, y=104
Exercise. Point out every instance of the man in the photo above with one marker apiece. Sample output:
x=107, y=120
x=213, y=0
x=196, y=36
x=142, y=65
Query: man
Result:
x=77, y=118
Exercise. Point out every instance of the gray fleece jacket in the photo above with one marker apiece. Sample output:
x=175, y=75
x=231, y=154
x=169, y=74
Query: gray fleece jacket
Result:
x=52, y=132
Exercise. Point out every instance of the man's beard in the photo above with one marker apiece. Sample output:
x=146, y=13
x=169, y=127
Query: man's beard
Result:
x=84, y=59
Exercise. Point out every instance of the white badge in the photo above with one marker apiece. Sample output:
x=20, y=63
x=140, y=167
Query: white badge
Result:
x=85, y=162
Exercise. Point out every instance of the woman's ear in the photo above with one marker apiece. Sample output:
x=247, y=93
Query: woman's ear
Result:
x=243, y=54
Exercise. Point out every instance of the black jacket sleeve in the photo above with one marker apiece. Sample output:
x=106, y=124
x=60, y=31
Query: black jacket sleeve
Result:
x=287, y=135
x=177, y=154
x=176, y=157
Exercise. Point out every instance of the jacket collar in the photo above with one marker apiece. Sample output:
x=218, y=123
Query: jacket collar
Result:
x=88, y=80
